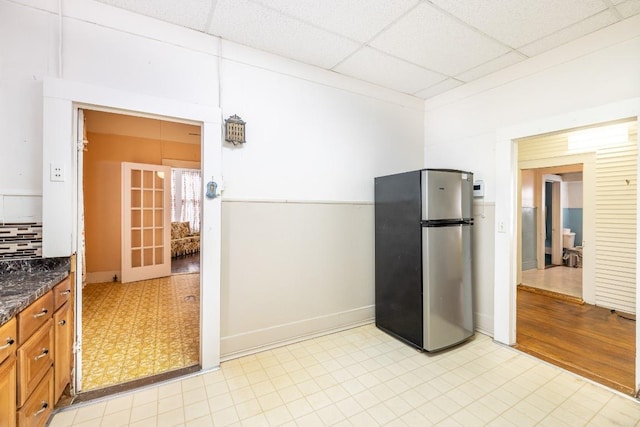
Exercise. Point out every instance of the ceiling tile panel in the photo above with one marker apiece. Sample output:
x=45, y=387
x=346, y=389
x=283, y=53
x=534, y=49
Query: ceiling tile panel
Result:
x=379, y=68
x=572, y=32
x=436, y=41
x=422, y=47
x=357, y=19
x=629, y=8
x=251, y=24
x=50, y=5
x=519, y=22
x=438, y=88
x=187, y=13
x=496, y=64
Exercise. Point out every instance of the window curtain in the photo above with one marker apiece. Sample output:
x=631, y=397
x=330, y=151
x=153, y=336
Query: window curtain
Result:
x=186, y=189
x=191, y=185
x=175, y=176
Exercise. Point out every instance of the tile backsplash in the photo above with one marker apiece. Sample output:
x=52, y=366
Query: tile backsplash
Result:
x=20, y=241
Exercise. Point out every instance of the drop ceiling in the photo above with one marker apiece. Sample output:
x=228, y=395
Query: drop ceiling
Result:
x=418, y=47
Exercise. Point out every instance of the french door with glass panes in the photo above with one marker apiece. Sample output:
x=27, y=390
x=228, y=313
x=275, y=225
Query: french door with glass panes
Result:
x=146, y=213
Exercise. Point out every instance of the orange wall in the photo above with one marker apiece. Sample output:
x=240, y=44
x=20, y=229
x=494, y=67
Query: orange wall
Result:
x=528, y=200
x=102, y=188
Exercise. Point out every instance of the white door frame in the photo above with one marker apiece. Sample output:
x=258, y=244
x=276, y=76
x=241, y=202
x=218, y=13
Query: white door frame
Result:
x=505, y=260
x=61, y=101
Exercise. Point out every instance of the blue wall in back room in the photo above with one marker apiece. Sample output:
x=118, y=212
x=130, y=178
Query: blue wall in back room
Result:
x=529, y=238
x=572, y=218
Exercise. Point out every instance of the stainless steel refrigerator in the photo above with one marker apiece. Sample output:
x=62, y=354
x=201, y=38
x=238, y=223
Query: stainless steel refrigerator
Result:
x=423, y=257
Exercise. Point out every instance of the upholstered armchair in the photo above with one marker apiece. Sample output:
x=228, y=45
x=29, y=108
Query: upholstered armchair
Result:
x=183, y=241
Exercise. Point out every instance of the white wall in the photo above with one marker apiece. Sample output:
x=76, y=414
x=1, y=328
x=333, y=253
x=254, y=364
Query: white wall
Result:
x=312, y=136
x=309, y=140
x=134, y=59
x=483, y=232
x=297, y=205
x=463, y=127
x=22, y=66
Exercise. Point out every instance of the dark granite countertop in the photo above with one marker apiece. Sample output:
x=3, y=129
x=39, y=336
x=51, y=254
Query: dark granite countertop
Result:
x=24, y=281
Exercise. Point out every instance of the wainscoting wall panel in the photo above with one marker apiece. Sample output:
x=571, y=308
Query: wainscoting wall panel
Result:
x=291, y=270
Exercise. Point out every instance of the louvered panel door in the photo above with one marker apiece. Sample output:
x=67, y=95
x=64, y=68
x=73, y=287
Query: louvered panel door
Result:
x=616, y=219
x=146, y=210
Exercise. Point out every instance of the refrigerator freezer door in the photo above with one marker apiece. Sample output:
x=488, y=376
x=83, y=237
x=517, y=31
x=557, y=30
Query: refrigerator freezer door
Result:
x=446, y=194
x=447, y=297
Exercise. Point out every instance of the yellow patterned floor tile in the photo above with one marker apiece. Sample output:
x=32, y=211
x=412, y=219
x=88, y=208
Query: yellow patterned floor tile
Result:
x=139, y=329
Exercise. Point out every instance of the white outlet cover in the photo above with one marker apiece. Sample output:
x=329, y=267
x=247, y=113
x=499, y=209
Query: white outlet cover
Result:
x=56, y=173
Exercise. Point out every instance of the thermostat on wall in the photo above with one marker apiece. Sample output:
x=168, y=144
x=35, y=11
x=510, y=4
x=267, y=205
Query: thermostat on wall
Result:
x=478, y=189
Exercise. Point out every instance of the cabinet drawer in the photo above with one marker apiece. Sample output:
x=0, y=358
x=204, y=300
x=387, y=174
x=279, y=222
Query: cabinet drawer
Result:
x=8, y=339
x=34, y=316
x=61, y=293
x=36, y=411
x=35, y=357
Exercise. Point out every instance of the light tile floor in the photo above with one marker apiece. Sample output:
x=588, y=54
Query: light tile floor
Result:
x=561, y=279
x=363, y=377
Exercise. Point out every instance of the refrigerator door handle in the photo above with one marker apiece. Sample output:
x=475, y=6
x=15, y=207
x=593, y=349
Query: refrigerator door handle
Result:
x=445, y=222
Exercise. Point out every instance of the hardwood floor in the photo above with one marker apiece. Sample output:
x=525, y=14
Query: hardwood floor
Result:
x=588, y=340
x=186, y=264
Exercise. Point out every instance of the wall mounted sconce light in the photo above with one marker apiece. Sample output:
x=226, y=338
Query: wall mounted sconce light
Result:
x=234, y=130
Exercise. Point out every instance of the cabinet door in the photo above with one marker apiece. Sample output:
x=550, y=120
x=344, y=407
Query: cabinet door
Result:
x=35, y=358
x=63, y=342
x=8, y=392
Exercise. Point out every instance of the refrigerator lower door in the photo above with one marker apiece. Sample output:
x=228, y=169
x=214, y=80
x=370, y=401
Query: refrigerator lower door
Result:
x=447, y=294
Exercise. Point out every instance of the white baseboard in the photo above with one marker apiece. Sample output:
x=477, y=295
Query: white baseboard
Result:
x=102, y=276
x=484, y=324
x=246, y=343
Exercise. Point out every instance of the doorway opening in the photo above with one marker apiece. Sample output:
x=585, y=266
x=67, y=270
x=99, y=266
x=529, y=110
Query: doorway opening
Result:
x=587, y=329
x=138, y=326
x=552, y=202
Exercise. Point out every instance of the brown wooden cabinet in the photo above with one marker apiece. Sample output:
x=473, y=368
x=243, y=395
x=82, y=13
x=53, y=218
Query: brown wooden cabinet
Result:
x=62, y=293
x=8, y=345
x=34, y=316
x=8, y=392
x=63, y=348
x=8, y=339
x=36, y=358
x=37, y=409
